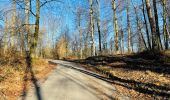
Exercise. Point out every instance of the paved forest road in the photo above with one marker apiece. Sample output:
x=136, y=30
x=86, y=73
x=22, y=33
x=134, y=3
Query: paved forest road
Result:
x=67, y=83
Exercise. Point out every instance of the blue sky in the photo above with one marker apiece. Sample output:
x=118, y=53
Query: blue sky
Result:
x=63, y=12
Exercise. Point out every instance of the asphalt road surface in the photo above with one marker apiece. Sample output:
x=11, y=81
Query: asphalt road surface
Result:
x=68, y=82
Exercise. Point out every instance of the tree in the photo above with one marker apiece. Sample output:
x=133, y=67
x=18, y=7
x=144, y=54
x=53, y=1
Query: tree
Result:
x=36, y=32
x=92, y=28
x=98, y=25
x=5, y=35
x=14, y=18
x=79, y=18
x=105, y=36
x=139, y=31
x=146, y=25
x=122, y=40
x=129, y=28
x=157, y=26
x=115, y=22
x=27, y=9
x=165, y=31
x=152, y=25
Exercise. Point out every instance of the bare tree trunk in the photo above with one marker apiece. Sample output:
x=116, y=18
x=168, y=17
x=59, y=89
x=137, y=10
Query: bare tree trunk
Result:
x=165, y=32
x=157, y=26
x=81, y=47
x=21, y=40
x=92, y=28
x=27, y=8
x=146, y=26
x=140, y=34
x=111, y=46
x=5, y=36
x=129, y=28
x=35, y=37
x=152, y=25
x=122, y=41
x=80, y=33
x=115, y=22
x=98, y=27
x=14, y=15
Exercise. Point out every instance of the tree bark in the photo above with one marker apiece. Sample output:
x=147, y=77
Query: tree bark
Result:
x=79, y=14
x=5, y=35
x=129, y=28
x=115, y=22
x=152, y=25
x=92, y=28
x=14, y=18
x=140, y=34
x=157, y=26
x=146, y=26
x=122, y=41
x=36, y=32
x=165, y=32
x=98, y=27
x=27, y=8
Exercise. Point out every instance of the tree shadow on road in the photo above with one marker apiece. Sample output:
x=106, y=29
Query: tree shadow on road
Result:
x=29, y=76
x=146, y=88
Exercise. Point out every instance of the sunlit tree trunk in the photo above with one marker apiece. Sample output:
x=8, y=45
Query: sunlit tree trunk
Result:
x=129, y=28
x=36, y=32
x=92, y=28
x=5, y=35
x=27, y=8
x=115, y=22
x=14, y=17
x=152, y=25
x=165, y=32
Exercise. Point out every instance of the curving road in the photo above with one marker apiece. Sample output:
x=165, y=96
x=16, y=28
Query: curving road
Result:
x=70, y=82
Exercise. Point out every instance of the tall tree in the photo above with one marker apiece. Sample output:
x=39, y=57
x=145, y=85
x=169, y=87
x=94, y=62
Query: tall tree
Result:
x=36, y=32
x=79, y=18
x=152, y=25
x=98, y=25
x=157, y=25
x=139, y=31
x=122, y=40
x=27, y=9
x=14, y=18
x=146, y=25
x=129, y=28
x=115, y=22
x=105, y=36
x=165, y=31
x=92, y=28
x=5, y=35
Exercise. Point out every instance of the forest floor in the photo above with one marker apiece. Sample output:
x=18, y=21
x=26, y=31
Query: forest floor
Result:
x=16, y=79
x=142, y=76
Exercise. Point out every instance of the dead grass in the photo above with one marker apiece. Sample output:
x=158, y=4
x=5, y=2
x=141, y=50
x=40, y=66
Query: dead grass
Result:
x=12, y=78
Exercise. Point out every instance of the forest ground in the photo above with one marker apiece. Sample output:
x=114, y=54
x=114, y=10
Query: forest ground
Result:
x=16, y=78
x=142, y=76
